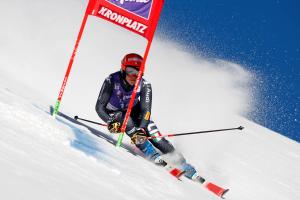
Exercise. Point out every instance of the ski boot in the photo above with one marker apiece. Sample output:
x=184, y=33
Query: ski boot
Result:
x=191, y=173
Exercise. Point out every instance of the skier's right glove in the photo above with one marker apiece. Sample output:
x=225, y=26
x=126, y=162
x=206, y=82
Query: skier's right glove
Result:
x=139, y=137
x=114, y=126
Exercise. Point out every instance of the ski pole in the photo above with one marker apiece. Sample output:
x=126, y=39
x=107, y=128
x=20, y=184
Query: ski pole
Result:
x=193, y=133
x=168, y=135
x=78, y=118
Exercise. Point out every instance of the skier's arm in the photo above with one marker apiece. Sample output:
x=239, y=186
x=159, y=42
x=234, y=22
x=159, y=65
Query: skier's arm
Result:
x=103, y=99
x=146, y=103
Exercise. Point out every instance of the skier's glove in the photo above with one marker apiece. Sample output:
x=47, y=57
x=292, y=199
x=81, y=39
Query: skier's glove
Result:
x=139, y=137
x=114, y=126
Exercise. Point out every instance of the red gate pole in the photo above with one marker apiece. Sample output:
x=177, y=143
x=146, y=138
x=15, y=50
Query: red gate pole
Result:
x=135, y=89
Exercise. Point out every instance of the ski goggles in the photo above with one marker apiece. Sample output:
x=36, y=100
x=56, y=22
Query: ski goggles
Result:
x=131, y=71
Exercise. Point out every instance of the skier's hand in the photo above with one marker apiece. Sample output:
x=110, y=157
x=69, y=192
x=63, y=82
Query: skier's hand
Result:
x=114, y=126
x=139, y=137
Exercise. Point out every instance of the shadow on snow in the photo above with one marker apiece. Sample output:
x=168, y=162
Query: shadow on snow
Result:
x=85, y=142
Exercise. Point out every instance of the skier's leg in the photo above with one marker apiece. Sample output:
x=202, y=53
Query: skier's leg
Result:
x=151, y=130
x=149, y=151
x=160, y=143
x=166, y=147
x=146, y=147
x=191, y=172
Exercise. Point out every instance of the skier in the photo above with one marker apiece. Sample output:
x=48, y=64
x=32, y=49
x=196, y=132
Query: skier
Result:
x=112, y=105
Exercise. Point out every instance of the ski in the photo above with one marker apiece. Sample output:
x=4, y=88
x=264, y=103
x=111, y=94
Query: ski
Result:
x=217, y=190
x=211, y=187
x=177, y=173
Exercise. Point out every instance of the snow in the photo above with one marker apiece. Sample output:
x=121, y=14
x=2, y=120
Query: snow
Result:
x=46, y=158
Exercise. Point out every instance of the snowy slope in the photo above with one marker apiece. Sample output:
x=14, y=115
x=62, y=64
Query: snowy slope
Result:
x=43, y=158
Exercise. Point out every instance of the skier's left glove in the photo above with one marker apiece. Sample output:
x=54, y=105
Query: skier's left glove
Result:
x=114, y=126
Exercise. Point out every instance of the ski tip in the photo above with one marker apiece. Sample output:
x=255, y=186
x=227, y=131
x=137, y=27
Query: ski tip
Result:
x=225, y=191
x=241, y=127
x=217, y=190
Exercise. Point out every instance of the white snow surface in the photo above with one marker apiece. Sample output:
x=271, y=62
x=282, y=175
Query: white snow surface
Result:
x=46, y=158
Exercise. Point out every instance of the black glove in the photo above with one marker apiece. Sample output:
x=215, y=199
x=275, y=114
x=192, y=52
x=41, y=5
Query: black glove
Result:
x=139, y=137
x=114, y=126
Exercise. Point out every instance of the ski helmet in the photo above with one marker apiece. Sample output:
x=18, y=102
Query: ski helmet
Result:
x=132, y=60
